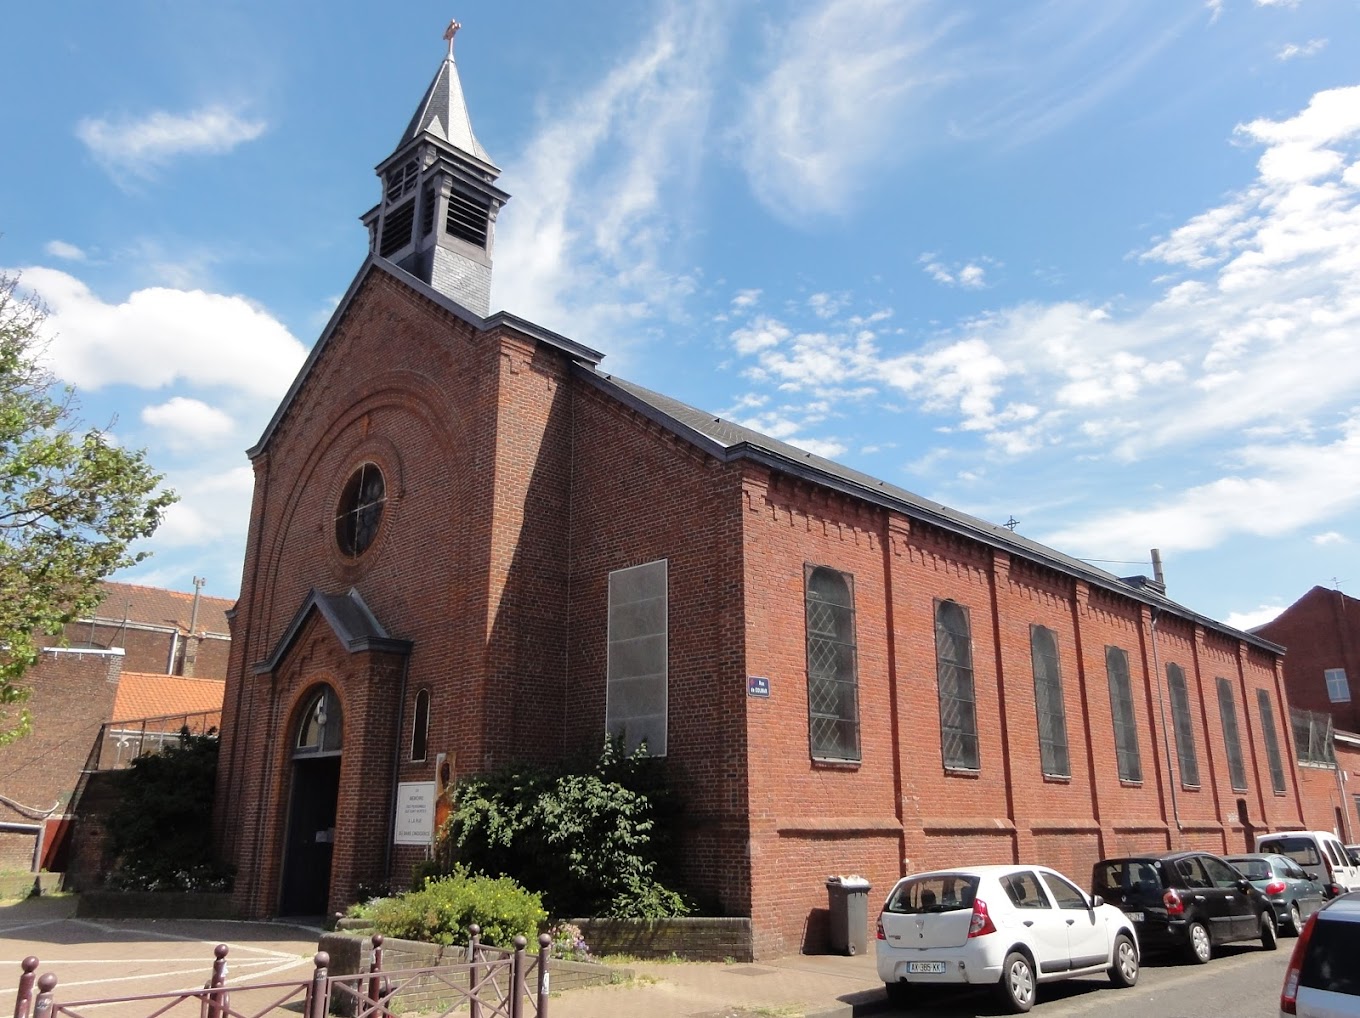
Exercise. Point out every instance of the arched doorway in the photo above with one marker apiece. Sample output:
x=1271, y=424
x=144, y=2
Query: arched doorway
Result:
x=311, y=808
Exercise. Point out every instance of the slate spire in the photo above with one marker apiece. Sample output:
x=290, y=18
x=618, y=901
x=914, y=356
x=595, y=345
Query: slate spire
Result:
x=439, y=201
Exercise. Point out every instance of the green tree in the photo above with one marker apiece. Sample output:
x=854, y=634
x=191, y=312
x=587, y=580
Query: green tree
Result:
x=72, y=502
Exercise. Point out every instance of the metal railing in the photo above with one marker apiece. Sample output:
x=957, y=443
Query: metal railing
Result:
x=491, y=983
x=121, y=742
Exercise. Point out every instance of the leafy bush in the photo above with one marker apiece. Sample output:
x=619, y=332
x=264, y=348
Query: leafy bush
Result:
x=160, y=835
x=587, y=836
x=442, y=910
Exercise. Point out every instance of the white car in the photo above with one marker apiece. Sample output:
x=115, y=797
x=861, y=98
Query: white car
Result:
x=1323, y=979
x=1011, y=927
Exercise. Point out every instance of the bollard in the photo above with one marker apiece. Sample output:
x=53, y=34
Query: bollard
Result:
x=544, y=949
x=474, y=972
x=42, y=1007
x=517, y=987
x=377, y=982
x=218, y=1004
x=23, y=1000
x=317, y=1002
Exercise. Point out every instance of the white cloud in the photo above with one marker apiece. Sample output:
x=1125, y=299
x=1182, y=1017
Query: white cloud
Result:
x=159, y=336
x=1330, y=537
x=141, y=146
x=745, y=299
x=186, y=423
x=1252, y=618
x=61, y=249
x=1310, y=48
x=970, y=275
x=214, y=506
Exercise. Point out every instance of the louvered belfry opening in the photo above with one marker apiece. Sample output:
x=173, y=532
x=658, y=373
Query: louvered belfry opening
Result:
x=468, y=217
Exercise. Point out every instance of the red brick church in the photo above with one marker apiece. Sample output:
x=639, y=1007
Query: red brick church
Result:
x=471, y=544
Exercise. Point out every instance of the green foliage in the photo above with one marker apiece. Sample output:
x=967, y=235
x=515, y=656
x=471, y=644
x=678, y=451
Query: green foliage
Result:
x=442, y=910
x=161, y=833
x=71, y=503
x=588, y=836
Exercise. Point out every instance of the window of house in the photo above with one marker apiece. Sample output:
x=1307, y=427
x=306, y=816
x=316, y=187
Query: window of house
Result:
x=1121, y=708
x=320, y=726
x=360, y=511
x=1338, y=689
x=1048, y=703
x=1267, y=711
x=637, y=666
x=833, y=681
x=954, y=671
x=1313, y=737
x=1232, y=739
x=1183, y=725
x=420, y=725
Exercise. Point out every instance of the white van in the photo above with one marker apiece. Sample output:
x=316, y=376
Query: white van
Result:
x=1319, y=852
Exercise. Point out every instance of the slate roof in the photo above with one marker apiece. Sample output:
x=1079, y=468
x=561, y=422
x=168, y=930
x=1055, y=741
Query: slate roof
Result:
x=353, y=623
x=141, y=695
x=443, y=113
x=727, y=441
x=155, y=606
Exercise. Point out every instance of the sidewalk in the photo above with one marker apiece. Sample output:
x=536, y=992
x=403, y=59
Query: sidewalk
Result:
x=812, y=986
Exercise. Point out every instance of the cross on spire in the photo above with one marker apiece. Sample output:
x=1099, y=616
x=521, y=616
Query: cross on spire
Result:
x=450, y=32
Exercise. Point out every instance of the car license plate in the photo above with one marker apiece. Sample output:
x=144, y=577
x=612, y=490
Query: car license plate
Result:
x=1135, y=916
x=936, y=967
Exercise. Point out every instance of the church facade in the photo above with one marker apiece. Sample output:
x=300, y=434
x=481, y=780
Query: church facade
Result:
x=470, y=545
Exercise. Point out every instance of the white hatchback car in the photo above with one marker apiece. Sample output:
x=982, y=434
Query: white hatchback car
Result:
x=1012, y=927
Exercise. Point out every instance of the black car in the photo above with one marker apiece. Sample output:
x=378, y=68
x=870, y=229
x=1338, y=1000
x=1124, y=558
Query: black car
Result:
x=1185, y=901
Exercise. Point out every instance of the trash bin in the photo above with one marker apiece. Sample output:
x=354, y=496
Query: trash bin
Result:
x=848, y=898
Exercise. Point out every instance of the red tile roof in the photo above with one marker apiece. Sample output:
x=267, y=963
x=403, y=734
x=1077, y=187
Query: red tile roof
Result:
x=150, y=696
x=158, y=607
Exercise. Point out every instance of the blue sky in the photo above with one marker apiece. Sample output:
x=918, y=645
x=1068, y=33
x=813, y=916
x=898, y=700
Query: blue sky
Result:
x=1094, y=267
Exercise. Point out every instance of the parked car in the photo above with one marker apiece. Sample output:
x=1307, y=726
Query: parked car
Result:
x=1354, y=852
x=1320, y=851
x=1185, y=901
x=1294, y=893
x=1323, y=979
x=1011, y=927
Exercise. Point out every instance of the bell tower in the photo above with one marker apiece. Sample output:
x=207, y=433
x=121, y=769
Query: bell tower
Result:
x=437, y=215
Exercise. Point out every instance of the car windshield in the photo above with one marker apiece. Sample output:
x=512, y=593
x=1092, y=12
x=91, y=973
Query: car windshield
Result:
x=1126, y=875
x=1252, y=869
x=1302, y=850
x=934, y=892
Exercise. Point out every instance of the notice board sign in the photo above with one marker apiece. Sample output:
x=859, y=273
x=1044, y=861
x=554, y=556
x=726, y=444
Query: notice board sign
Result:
x=757, y=685
x=415, y=813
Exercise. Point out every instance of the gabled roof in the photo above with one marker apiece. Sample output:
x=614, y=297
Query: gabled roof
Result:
x=728, y=441
x=349, y=618
x=376, y=263
x=154, y=606
x=141, y=695
x=443, y=113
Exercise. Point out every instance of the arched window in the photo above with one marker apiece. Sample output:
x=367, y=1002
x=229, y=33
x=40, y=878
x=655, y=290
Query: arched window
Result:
x=1049, y=706
x=321, y=727
x=420, y=725
x=360, y=511
x=833, y=680
x=954, y=672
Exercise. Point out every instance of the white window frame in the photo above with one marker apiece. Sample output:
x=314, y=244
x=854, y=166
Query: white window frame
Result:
x=1338, y=688
x=621, y=666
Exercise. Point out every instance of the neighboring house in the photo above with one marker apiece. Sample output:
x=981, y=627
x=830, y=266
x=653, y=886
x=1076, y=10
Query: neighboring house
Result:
x=1321, y=634
x=115, y=666
x=470, y=546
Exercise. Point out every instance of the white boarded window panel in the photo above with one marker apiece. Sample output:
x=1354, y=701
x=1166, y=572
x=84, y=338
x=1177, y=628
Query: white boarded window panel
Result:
x=635, y=687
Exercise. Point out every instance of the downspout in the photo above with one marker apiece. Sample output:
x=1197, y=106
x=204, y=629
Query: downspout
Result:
x=1173, y=773
x=174, y=652
x=396, y=769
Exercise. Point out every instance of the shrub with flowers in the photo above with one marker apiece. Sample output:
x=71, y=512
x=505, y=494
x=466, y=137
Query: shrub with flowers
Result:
x=568, y=943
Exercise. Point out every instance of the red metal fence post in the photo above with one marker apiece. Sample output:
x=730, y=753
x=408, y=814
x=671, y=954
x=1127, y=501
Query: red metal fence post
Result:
x=474, y=971
x=218, y=1003
x=544, y=948
x=23, y=1000
x=317, y=995
x=517, y=987
x=42, y=1007
x=377, y=982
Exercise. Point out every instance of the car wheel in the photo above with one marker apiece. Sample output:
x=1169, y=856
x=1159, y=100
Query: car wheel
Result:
x=1016, y=988
x=1295, y=919
x=899, y=994
x=1124, y=971
x=1269, y=940
x=1201, y=948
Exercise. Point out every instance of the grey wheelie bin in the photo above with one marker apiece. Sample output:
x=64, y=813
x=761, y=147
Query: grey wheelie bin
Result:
x=848, y=898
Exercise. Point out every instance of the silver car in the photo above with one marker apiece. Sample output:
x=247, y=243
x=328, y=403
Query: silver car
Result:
x=1294, y=893
x=1323, y=980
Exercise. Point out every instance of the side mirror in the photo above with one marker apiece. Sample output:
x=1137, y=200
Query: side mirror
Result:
x=1244, y=885
x=1311, y=876
x=1097, y=901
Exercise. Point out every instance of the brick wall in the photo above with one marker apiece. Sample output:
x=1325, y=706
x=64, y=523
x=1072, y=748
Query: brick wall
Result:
x=1321, y=630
